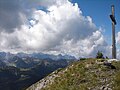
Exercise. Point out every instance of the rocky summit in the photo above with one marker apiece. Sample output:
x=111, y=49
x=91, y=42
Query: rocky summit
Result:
x=87, y=74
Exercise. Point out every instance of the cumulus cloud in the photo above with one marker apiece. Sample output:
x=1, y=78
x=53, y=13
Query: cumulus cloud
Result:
x=45, y=3
x=14, y=13
x=62, y=29
x=87, y=47
x=11, y=15
x=118, y=38
x=118, y=44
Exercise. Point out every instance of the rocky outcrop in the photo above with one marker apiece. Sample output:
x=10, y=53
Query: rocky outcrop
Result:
x=44, y=82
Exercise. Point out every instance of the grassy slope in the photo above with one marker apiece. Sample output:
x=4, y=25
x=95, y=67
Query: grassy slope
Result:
x=88, y=74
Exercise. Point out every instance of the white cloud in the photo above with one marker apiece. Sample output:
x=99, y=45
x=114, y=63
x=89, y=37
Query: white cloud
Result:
x=63, y=29
x=118, y=44
x=118, y=38
x=87, y=47
x=46, y=3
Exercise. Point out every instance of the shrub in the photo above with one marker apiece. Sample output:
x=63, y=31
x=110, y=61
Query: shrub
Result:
x=82, y=58
x=99, y=55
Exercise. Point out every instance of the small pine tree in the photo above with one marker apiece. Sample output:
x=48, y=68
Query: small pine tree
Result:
x=99, y=55
x=107, y=57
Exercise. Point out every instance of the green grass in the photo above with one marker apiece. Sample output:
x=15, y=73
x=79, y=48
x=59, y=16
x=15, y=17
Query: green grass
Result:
x=87, y=75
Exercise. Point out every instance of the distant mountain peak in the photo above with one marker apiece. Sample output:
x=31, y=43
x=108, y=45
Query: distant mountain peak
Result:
x=8, y=55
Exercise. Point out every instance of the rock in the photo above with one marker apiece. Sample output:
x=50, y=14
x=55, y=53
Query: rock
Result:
x=105, y=88
x=108, y=64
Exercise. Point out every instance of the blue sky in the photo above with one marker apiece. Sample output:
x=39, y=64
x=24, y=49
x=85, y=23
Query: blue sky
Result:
x=100, y=10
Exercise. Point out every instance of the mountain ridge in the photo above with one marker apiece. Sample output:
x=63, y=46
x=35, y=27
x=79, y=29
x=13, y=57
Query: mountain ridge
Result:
x=90, y=74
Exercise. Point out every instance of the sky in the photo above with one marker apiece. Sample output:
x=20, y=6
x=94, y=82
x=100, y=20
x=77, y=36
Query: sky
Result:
x=75, y=27
x=100, y=10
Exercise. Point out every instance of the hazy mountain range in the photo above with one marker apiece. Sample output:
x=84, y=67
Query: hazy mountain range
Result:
x=9, y=58
x=18, y=71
